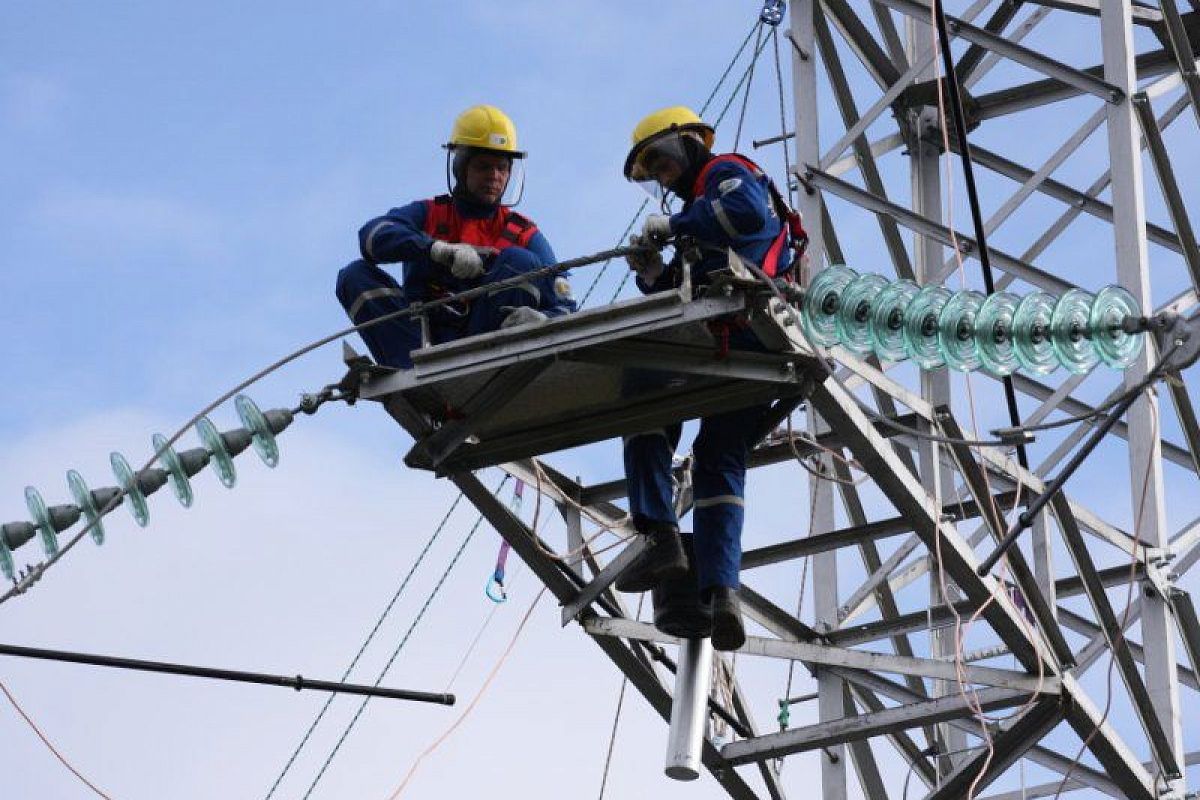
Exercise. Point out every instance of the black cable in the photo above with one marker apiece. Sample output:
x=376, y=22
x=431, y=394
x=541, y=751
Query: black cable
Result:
x=964, y=148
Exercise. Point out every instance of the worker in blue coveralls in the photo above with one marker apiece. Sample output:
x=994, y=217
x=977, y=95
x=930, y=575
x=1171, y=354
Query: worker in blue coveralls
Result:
x=728, y=202
x=454, y=242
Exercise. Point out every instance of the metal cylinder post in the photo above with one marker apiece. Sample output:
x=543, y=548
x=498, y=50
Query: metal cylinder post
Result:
x=689, y=711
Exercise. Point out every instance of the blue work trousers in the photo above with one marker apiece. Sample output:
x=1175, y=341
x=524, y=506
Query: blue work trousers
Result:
x=719, y=456
x=367, y=292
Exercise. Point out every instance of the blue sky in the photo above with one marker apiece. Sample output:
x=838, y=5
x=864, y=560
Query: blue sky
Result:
x=181, y=185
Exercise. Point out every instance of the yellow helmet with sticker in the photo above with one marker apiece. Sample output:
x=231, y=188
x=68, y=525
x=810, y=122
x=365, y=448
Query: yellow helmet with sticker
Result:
x=485, y=127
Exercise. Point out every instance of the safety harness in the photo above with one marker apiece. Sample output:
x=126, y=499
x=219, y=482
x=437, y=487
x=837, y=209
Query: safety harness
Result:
x=791, y=233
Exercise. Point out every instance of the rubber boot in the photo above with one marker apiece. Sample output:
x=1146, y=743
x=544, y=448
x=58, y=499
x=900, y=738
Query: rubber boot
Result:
x=663, y=559
x=677, y=607
x=726, y=610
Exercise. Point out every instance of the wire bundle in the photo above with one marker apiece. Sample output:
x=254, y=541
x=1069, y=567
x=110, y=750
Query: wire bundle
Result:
x=966, y=330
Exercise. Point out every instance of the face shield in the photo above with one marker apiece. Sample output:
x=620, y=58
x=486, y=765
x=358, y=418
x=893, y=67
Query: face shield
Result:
x=658, y=163
x=489, y=177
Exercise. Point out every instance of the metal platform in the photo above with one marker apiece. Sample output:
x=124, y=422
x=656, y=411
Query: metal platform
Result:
x=596, y=375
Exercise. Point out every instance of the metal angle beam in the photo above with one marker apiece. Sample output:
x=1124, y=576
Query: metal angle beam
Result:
x=862, y=150
x=933, y=230
x=864, y=45
x=999, y=20
x=1069, y=619
x=942, y=615
x=828, y=655
x=1142, y=15
x=601, y=582
x=1059, y=191
x=1056, y=70
x=768, y=770
x=1039, y=754
x=1189, y=626
x=1055, y=788
x=977, y=482
x=1008, y=747
x=840, y=731
x=865, y=765
x=552, y=575
x=870, y=531
x=901, y=740
x=1116, y=639
x=1070, y=405
x=1050, y=90
x=1161, y=162
x=689, y=359
x=1182, y=50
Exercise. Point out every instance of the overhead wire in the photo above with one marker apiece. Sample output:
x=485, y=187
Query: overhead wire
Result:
x=403, y=641
x=367, y=641
x=54, y=750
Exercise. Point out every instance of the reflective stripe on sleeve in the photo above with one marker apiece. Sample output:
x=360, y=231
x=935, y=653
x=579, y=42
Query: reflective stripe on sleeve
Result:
x=723, y=219
x=719, y=500
x=371, y=294
x=369, y=244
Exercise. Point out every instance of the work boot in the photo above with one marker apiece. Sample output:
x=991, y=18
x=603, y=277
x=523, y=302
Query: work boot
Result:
x=663, y=559
x=677, y=607
x=726, y=610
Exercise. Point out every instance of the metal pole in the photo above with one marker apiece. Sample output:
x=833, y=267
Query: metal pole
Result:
x=298, y=682
x=689, y=710
x=1145, y=446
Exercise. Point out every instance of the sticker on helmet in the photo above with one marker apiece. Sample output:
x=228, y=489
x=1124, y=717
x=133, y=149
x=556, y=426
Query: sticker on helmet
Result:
x=562, y=288
x=728, y=185
x=498, y=139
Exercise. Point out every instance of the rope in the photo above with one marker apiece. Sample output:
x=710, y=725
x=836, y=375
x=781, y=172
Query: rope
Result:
x=45, y=741
x=474, y=701
x=399, y=647
x=370, y=637
x=787, y=159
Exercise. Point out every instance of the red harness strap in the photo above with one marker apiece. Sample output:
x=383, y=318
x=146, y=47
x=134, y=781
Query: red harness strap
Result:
x=505, y=228
x=791, y=232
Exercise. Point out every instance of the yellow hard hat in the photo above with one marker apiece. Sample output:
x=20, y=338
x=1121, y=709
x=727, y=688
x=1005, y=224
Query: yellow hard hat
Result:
x=485, y=128
x=664, y=122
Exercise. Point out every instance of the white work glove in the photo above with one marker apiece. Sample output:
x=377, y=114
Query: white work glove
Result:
x=464, y=261
x=657, y=228
x=648, y=264
x=521, y=315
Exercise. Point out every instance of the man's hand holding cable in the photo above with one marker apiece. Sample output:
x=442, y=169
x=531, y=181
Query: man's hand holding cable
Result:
x=647, y=262
x=464, y=261
x=656, y=229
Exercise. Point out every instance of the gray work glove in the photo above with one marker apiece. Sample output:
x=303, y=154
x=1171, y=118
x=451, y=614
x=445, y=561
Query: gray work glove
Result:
x=521, y=315
x=464, y=260
x=657, y=228
x=648, y=264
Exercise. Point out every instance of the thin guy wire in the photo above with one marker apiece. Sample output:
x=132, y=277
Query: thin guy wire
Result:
x=787, y=158
x=370, y=637
x=758, y=45
x=399, y=647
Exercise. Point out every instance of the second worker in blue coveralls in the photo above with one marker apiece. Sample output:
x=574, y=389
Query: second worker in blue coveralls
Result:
x=728, y=203
x=454, y=242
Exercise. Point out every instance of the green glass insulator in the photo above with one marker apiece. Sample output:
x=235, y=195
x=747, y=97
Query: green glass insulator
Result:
x=87, y=504
x=6, y=560
x=176, y=474
x=1069, y=332
x=956, y=330
x=887, y=320
x=41, y=518
x=854, y=316
x=921, y=327
x=254, y=421
x=127, y=480
x=221, y=460
x=994, y=333
x=822, y=299
x=1116, y=347
x=1031, y=333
